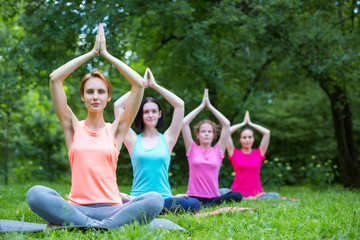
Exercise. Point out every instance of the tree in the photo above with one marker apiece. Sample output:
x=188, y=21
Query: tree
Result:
x=12, y=78
x=214, y=43
x=246, y=52
x=327, y=52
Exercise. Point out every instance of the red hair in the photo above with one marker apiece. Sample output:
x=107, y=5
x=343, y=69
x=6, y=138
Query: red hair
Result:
x=95, y=73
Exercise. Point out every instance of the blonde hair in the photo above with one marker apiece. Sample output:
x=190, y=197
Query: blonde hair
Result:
x=95, y=73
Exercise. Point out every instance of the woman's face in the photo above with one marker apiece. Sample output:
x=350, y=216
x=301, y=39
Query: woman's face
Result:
x=96, y=94
x=247, y=139
x=205, y=134
x=151, y=114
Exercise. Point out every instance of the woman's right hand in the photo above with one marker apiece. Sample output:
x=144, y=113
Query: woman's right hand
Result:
x=152, y=83
x=102, y=40
x=181, y=195
x=146, y=79
x=247, y=118
x=96, y=48
x=205, y=100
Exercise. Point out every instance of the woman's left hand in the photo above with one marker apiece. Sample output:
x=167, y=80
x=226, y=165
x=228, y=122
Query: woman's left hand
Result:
x=247, y=118
x=146, y=80
x=125, y=197
x=206, y=96
x=151, y=79
x=181, y=195
x=96, y=48
x=102, y=39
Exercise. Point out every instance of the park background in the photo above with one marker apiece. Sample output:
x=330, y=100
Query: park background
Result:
x=295, y=65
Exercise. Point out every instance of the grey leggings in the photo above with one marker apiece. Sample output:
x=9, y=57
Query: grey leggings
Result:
x=50, y=206
x=267, y=195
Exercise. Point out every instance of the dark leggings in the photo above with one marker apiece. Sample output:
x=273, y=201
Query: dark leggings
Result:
x=228, y=197
x=184, y=204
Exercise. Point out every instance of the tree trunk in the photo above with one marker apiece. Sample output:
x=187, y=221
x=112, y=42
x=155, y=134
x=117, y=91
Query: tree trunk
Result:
x=342, y=119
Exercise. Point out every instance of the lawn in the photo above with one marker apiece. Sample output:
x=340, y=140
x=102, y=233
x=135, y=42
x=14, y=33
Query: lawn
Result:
x=321, y=213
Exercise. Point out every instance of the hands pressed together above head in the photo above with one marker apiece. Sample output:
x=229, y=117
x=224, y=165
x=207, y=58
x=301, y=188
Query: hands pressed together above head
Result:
x=100, y=41
x=149, y=79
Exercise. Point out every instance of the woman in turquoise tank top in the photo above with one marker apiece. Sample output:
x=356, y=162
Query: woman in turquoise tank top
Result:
x=150, y=151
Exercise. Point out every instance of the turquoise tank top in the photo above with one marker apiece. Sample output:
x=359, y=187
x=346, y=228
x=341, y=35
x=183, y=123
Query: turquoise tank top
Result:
x=150, y=168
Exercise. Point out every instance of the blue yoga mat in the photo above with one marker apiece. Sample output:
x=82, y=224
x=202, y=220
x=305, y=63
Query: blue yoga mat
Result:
x=7, y=226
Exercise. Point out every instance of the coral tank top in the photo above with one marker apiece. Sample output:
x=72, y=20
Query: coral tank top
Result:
x=93, y=159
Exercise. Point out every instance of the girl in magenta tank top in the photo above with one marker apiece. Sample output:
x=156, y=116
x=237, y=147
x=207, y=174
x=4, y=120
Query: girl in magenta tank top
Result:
x=247, y=161
x=204, y=158
x=94, y=146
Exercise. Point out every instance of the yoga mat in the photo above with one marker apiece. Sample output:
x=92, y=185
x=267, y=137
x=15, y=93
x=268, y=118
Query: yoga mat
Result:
x=7, y=226
x=162, y=223
x=224, y=210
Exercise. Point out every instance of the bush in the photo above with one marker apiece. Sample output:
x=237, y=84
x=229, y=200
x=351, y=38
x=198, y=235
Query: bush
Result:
x=318, y=172
x=276, y=172
x=280, y=172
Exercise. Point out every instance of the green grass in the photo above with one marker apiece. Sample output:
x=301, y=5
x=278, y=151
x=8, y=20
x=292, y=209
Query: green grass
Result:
x=322, y=213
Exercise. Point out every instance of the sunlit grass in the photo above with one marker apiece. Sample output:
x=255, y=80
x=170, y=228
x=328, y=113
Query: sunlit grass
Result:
x=330, y=213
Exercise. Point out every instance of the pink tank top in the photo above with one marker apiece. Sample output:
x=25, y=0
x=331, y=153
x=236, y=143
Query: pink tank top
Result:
x=93, y=159
x=204, y=167
x=247, y=172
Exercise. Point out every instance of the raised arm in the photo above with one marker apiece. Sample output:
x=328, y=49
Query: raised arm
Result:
x=123, y=122
x=172, y=133
x=224, y=135
x=266, y=135
x=235, y=127
x=119, y=107
x=186, y=131
x=66, y=117
x=133, y=77
x=230, y=144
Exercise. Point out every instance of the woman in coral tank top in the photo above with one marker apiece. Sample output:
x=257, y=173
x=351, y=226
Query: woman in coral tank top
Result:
x=93, y=149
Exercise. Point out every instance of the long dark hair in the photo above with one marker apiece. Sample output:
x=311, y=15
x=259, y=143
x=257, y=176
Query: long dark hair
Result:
x=246, y=128
x=139, y=123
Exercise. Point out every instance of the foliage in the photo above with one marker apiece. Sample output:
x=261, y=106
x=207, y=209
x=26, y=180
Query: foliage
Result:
x=39, y=150
x=279, y=172
x=276, y=172
x=13, y=80
x=242, y=50
x=330, y=213
x=268, y=57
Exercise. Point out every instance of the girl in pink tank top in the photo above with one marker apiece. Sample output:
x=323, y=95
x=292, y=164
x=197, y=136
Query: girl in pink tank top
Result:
x=94, y=146
x=205, y=159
